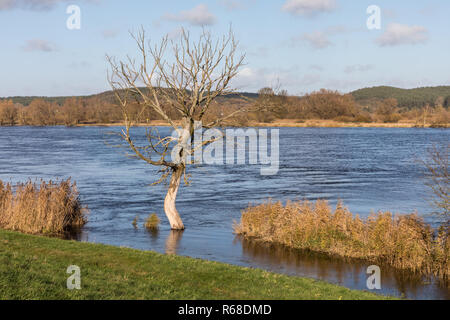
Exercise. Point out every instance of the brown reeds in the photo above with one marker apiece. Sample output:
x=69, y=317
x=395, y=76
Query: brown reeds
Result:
x=152, y=222
x=47, y=208
x=402, y=241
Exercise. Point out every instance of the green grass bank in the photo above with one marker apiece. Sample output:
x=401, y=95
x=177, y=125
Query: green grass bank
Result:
x=34, y=267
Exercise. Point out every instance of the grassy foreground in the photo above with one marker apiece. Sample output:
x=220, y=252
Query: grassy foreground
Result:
x=34, y=267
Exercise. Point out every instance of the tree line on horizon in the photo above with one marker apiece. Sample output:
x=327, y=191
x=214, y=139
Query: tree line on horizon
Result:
x=324, y=104
x=406, y=98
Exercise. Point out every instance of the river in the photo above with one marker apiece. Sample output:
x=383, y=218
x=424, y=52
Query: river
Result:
x=369, y=169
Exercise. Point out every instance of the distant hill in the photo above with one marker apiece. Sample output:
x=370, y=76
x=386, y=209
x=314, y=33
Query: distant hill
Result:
x=107, y=96
x=407, y=98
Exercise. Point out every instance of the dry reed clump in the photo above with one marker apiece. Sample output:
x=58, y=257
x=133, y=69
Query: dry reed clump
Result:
x=48, y=208
x=403, y=241
x=135, y=221
x=152, y=222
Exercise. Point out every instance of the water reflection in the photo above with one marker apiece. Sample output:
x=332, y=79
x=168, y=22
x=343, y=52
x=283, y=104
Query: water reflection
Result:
x=347, y=272
x=154, y=233
x=173, y=240
x=73, y=234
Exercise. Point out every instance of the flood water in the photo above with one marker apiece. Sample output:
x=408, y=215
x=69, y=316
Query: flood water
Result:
x=370, y=169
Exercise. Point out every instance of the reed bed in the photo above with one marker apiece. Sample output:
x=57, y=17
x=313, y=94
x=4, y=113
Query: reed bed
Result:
x=402, y=241
x=152, y=222
x=47, y=208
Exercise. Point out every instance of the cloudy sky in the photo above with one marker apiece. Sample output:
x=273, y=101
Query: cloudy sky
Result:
x=304, y=45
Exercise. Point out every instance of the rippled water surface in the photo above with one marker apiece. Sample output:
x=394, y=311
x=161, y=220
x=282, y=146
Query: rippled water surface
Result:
x=370, y=169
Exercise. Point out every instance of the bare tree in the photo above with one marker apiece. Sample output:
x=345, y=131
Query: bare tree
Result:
x=439, y=181
x=271, y=104
x=42, y=113
x=8, y=113
x=71, y=112
x=180, y=77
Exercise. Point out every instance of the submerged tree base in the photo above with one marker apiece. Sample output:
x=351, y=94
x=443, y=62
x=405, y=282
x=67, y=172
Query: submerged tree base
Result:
x=403, y=241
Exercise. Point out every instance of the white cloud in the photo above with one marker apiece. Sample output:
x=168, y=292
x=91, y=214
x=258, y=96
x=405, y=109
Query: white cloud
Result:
x=292, y=79
x=309, y=79
x=358, y=68
x=399, y=34
x=28, y=4
x=259, y=52
x=388, y=13
x=316, y=67
x=309, y=8
x=79, y=64
x=235, y=5
x=197, y=16
x=429, y=10
x=246, y=72
x=175, y=33
x=339, y=29
x=317, y=39
x=320, y=39
x=232, y=5
x=37, y=5
x=7, y=4
x=110, y=33
x=38, y=45
x=250, y=79
x=343, y=85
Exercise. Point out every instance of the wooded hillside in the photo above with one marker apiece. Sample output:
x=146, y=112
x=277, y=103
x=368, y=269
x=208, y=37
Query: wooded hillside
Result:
x=406, y=98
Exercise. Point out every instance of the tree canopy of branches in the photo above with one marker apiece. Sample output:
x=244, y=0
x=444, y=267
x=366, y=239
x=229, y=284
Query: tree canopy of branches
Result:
x=178, y=78
x=326, y=104
x=8, y=113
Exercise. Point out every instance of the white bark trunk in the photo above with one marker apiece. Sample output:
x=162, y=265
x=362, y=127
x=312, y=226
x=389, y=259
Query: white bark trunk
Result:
x=169, y=202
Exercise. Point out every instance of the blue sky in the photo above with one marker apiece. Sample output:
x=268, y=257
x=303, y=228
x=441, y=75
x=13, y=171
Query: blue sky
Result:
x=304, y=45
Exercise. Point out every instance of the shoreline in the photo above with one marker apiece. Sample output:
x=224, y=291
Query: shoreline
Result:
x=282, y=123
x=111, y=272
x=289, y=124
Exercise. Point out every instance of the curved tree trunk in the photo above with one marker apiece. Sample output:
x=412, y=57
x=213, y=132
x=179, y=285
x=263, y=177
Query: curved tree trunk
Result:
x=169, y=202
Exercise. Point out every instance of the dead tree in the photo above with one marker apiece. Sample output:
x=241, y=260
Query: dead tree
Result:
x=439, y=181
x=180, y=75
